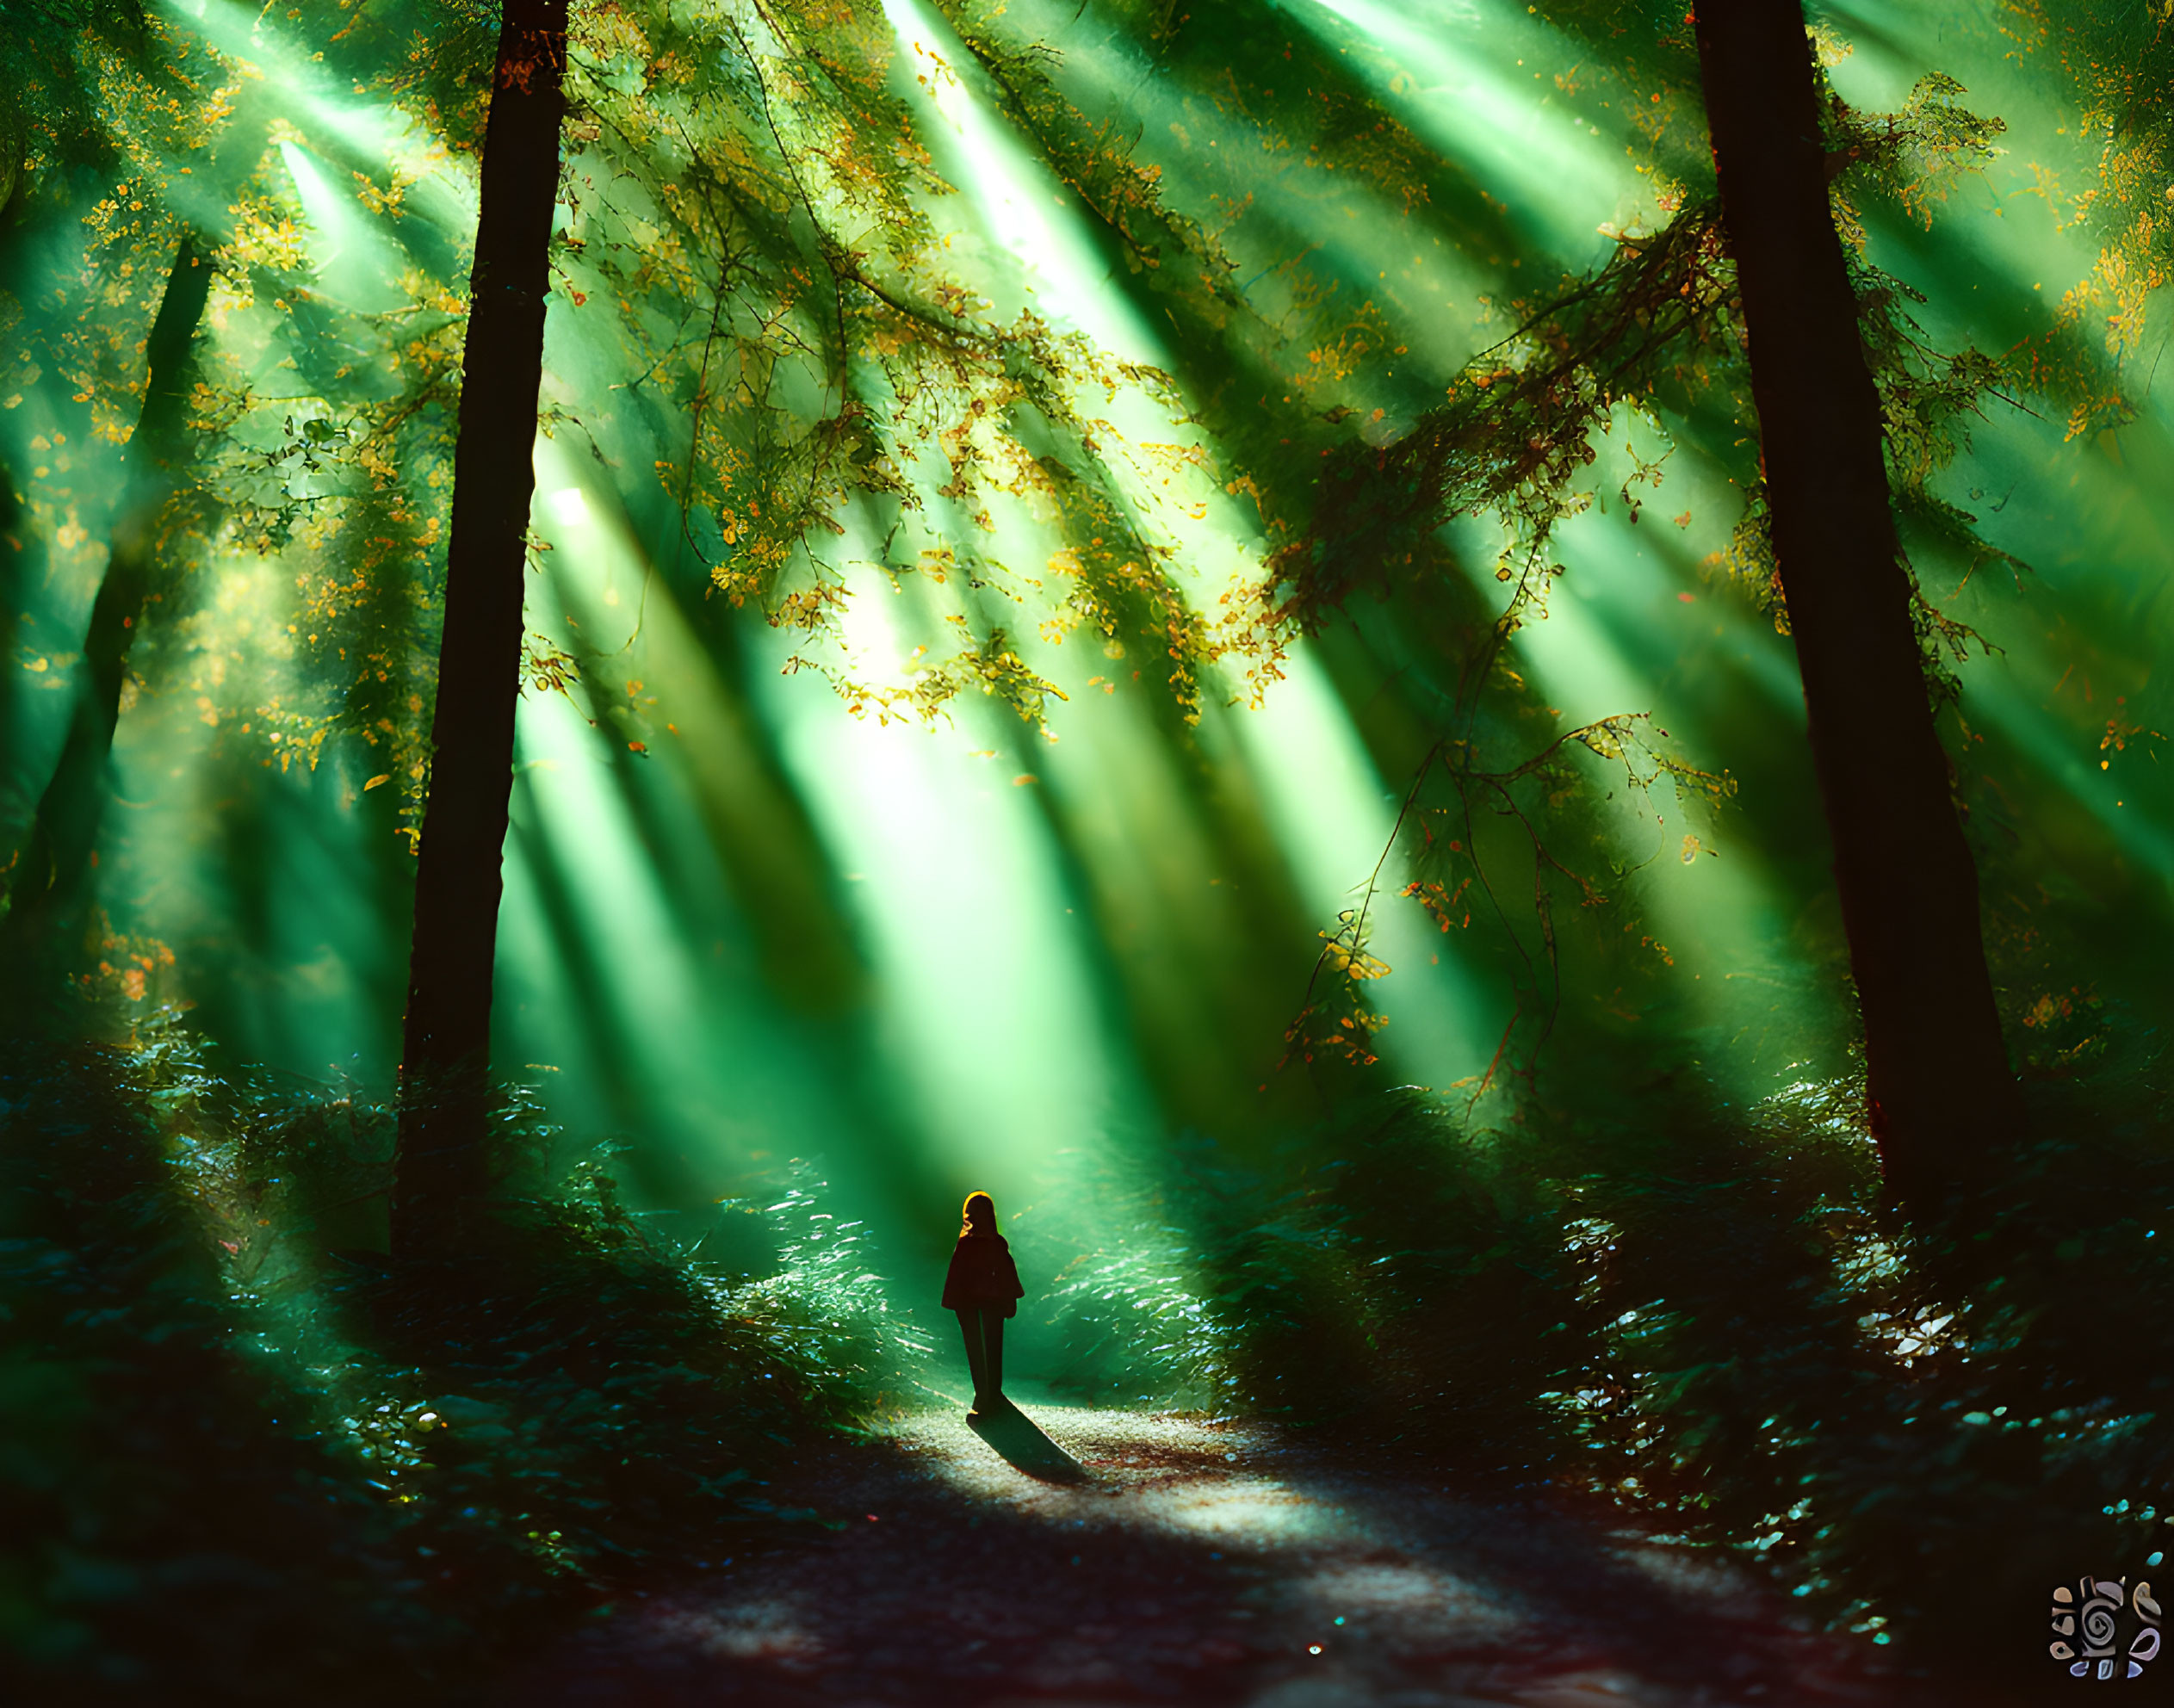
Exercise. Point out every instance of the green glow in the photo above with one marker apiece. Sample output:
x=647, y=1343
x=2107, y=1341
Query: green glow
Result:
x=355, y=265
x=1334, y=816
x=984, y=653
x=982, y=953
x=1471, y=97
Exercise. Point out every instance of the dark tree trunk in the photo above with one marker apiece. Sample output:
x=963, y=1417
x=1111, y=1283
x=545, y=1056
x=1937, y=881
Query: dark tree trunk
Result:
x=50, y=887
x=443, y=1172
x=1940, y=1091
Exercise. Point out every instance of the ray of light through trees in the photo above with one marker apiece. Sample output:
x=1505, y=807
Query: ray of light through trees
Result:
x=1107, y=584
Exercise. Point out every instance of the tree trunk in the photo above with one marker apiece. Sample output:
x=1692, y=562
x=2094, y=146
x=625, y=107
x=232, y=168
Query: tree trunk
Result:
x=1940, y=1090
x=443, y=1172
x=50, y=887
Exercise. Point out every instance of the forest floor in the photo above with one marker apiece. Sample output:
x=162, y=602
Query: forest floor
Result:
x=1062, y=1553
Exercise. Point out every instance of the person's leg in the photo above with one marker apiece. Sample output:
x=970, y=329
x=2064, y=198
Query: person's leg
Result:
x=992, y=1347
x=970, y=1323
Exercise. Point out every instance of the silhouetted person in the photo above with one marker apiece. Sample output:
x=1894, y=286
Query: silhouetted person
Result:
x=983, y=1287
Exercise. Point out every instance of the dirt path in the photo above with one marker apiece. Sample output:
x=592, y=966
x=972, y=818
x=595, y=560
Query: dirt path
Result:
x=1102, y=1556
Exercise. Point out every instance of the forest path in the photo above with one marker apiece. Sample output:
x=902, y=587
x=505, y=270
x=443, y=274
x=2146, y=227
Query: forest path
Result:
x=1080, y=1555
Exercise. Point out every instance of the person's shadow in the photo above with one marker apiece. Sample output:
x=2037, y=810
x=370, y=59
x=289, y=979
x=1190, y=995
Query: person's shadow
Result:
x=1023, y=1447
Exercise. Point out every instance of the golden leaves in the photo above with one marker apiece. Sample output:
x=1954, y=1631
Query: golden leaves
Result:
x=1444, y=906
x=1335, y=1022
x=2120, y=731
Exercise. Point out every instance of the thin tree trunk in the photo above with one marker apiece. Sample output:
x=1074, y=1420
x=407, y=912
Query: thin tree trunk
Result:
x=1940, y=1088
x=443, y=1170
x=51, y=885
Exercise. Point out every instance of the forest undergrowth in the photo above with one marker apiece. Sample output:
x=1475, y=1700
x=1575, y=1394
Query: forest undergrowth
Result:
x=1708, y=1320
x=242, y=1448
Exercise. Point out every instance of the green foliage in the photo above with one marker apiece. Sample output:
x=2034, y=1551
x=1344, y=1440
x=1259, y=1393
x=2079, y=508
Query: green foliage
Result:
x=1515, y=434
x=2114, y=61
x=815, y=1302
x=1651, y=339
x=1865, y=1407
x=784, y=349
x=755, y=204
x=1696, y=1313
x=1700, y=1316
x=1193, y=1269
x=170, y=1512
x=1393, y=1273
x=215, y=1383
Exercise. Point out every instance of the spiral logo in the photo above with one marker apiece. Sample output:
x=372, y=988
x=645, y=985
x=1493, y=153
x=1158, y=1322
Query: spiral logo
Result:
x=2091, y=1620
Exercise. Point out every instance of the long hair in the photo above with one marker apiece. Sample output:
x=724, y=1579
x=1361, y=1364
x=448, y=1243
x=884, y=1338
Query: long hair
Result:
x=977, y=1215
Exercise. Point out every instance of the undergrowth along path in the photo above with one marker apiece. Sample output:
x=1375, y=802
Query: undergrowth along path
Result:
x=1062, y=1554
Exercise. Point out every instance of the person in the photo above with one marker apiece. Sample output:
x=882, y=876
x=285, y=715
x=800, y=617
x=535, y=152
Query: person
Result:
x=983, y=1285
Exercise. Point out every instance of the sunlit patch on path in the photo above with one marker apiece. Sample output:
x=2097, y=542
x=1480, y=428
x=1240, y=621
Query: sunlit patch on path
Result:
x=1087, y=1555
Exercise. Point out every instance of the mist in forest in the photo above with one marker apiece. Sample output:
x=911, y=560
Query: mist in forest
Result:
x=1476, y=721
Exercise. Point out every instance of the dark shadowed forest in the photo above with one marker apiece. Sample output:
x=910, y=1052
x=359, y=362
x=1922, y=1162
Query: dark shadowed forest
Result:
x=1466, y=692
